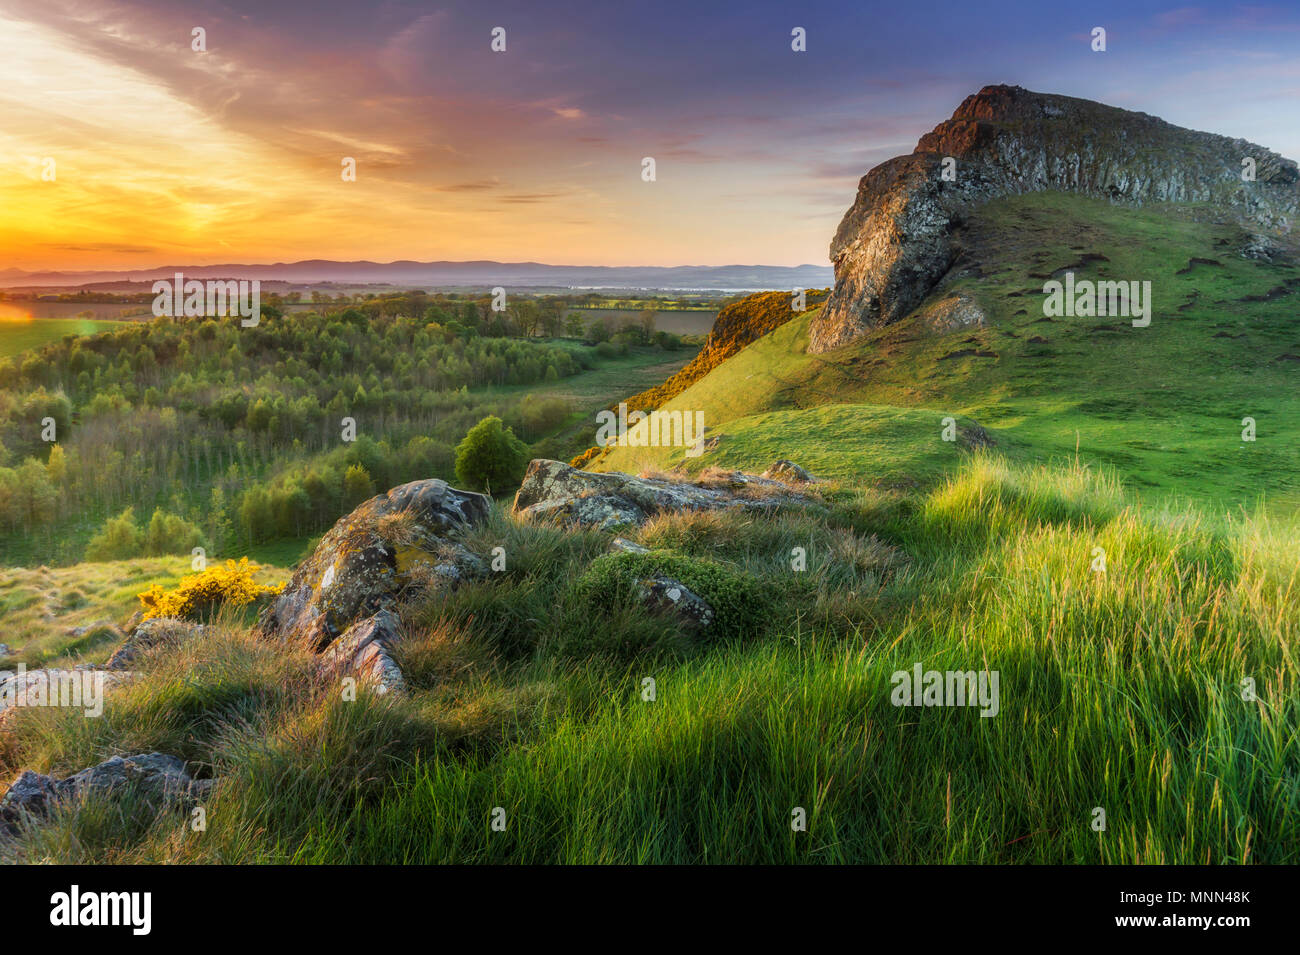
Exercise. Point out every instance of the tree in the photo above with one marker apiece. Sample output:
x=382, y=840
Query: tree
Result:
x=552, y=316
x=357, y=486
x=57, y=466
x=527, y=316
x=490, y=456
x=170, y=534
x=118, y=539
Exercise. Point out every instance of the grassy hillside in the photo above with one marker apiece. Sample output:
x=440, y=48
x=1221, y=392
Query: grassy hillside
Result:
x=62, y=616
x=1161, y=405
x=1119, y=690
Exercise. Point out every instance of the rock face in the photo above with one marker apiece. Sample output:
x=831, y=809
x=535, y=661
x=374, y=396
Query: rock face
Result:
x=895, y=242
x=157, y=775
x=555, y=491
x=365, y=651
x=405, y=537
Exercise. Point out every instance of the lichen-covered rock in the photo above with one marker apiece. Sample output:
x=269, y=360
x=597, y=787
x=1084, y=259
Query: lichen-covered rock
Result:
x=364, y=650
x=954, y=313
x=974, y=437
x=156, y=631
x=673, y=598
x=156, y=775
x=788, y=471
x=1261, y=248
x=552, y=490
x=896, y=241
x=392, y=541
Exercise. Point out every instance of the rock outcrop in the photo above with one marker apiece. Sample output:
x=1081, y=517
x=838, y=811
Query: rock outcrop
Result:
x=404, y=538
x=156, y=631
x=57, y=687
x=157, y=776
x=896, y=241
x=737, y=325
x=554, y=491
x=365, y=651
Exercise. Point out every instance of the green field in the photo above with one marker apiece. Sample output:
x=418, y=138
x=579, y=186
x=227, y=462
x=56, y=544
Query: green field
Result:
x=20, y=336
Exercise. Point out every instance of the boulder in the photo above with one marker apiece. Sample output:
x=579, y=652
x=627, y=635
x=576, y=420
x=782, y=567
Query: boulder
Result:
x=673, y=598
x=151, y=633
x=554, y=491
x=627, y=546
x=955, y=313
x=400, y=539
x=365, y=651
x=156, y=775
x=974, y=437
x=789, y=472
x=1262, y=248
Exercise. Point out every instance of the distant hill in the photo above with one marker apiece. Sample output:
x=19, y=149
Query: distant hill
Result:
x=481, y=273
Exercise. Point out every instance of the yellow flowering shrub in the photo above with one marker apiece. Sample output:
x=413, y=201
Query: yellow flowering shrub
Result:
x=198, y=594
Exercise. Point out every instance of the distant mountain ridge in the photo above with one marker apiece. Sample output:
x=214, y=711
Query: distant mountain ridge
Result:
x=476, y=273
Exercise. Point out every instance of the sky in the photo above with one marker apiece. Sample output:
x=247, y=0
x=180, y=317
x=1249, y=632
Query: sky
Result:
x=164, y=155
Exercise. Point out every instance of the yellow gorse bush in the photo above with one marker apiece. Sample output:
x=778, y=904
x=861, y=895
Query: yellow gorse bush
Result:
x=199, y=593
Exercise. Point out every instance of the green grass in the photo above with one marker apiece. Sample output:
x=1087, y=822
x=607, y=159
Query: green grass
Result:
x=21, y=336
x=1118, y=690
x=1162, y=405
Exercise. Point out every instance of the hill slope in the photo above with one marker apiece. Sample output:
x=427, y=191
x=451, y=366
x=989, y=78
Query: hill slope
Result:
x=1163, y=405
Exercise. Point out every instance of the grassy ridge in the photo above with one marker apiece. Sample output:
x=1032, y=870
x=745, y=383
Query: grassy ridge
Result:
x=1119, y=690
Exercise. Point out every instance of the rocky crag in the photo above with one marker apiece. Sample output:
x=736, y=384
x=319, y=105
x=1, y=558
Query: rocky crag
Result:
x=897, y=240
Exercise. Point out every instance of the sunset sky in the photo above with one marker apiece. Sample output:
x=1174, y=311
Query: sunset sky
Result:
x=166, y=156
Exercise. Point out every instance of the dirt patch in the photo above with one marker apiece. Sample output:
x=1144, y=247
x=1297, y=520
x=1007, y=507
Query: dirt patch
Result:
x=969, y=353
x=1193, y=262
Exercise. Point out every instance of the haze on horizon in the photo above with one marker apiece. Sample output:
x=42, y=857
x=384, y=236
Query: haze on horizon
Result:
x=165, y=155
